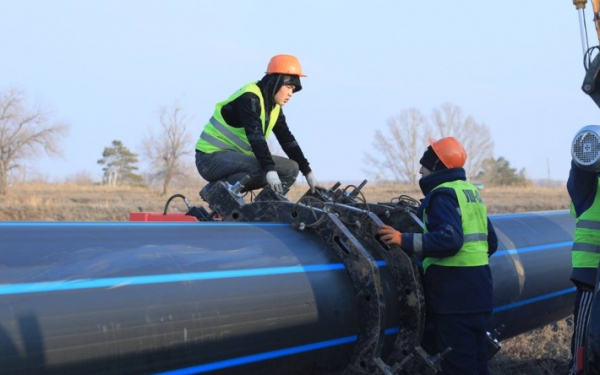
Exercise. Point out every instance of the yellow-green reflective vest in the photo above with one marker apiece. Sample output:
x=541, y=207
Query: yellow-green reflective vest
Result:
x=474, y=251
x=220, y=136
x=586, y=245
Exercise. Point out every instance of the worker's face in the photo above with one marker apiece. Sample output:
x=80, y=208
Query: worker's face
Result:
x=424, y=171
x=284, y=94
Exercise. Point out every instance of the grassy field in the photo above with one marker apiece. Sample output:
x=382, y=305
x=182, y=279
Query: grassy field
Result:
x=67, y=202
x=541, y=352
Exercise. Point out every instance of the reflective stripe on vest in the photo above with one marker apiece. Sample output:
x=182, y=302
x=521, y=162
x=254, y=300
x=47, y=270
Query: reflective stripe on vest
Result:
x=229, y=134
x=474, y=251
x=215, y=142
x=220, y=136
x=588, y=224
x=586, y=245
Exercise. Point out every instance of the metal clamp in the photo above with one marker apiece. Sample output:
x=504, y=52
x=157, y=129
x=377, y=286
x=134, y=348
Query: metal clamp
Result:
x=351, y=233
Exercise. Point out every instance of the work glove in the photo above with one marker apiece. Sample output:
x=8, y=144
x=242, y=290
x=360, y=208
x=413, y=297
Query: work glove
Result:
x=313, y=183
x=390, y=236
x=274, y=182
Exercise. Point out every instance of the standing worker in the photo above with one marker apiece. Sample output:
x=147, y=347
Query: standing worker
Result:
x=233, y=143
x=583, y=190
x=457, y=241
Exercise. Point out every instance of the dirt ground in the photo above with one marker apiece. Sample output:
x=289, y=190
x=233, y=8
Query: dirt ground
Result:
x=542, y=352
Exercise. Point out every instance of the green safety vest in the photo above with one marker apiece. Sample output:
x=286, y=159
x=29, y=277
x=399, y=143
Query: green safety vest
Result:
x=586, y=244
x=220, y=136
x=474, y=251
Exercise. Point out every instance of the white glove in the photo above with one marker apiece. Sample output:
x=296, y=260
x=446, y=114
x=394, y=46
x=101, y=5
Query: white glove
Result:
x=312, y=182
x=274, y=182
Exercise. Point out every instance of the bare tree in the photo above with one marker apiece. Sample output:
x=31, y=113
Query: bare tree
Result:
x=166, y=150
x=25, y=132
x=448, y=120
x=400, y=148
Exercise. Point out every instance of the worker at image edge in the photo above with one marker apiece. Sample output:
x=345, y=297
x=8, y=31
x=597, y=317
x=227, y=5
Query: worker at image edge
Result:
x=233, y=143
x=583, y=190
x=457, y=241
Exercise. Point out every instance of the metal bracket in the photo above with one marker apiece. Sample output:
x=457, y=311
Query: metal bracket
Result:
x=591, y=80
x=493, y=341
x=365, y=225
x=351, y=232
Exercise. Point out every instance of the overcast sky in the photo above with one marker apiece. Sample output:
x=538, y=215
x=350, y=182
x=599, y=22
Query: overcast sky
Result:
x=105, y=67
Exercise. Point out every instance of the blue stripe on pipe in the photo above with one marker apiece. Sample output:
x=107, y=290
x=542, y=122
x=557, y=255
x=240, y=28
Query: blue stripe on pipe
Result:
x=532, y=300
x=320, y=345
x=316, y=346
x=268, y=355
x=529, y=214
x=53, y=286
x=259, y=357
x=115, y=282
x=532, y=248
x=135, y=224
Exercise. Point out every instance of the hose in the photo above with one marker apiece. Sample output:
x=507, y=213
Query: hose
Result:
x=185, y=200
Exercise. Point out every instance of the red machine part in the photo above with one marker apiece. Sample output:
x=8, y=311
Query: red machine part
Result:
x=156, y=216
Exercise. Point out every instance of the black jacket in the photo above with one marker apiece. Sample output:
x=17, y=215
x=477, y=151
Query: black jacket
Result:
x=244, y=112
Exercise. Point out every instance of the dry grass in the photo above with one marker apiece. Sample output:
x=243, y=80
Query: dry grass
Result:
x=544, y=351
x=69, y=202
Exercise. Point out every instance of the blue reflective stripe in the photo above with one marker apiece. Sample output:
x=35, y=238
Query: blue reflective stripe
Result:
x=530, y=214
x=53, y=286
x=115, y=282
x=259, y=357
x=268, y=355
x=316, y=346
x=532, y=300
x=532, y=248
x=320, y=345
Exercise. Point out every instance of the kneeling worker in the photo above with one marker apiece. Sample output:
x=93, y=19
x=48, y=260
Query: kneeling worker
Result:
x=457, y=241
x=233, y=143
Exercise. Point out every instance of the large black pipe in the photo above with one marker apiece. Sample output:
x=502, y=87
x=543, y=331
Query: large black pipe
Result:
x=109, y=298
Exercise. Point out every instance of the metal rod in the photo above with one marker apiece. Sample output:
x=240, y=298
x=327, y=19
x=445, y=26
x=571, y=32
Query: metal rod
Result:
x=582, y=30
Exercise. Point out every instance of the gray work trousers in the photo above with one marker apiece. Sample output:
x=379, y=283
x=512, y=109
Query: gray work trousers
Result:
x=233, y=166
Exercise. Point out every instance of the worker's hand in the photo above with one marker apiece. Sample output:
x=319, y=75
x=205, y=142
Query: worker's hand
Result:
x=274, y=182
x=390, y=236
x=313, y=183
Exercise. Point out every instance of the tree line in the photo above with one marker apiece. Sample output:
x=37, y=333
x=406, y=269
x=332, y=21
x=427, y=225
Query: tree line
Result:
x=165, y=150
x=29, y=131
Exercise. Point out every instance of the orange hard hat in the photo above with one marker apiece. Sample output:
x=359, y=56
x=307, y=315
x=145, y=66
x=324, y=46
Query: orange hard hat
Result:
x=285, y=64
x=450, y=151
